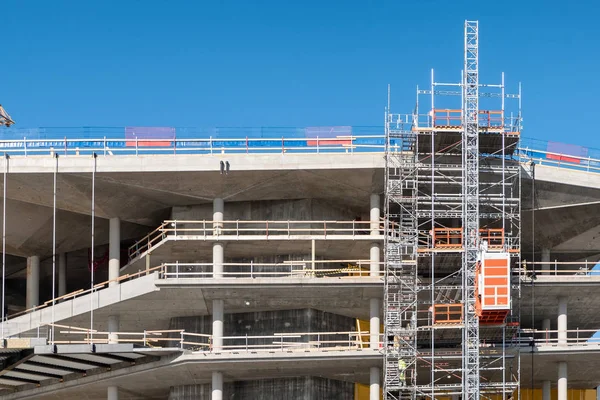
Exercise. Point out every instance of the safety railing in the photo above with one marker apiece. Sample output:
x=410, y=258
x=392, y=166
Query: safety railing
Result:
x=82, y=292
x=236, y=230
x=291, y=269
x=451, y=239
x=244, y=145
x=205, y=343
x=85, y=141
x=288, y=269
x=553, y=338
x=541, y=157
x=556, y=268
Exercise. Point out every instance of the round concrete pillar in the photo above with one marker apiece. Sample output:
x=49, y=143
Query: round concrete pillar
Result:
x=374, y=384
x=375, y=259
x=375, y=214
x=374, y=323
x=218, y=254
x=562, y=380
x=217, y=386
x=374, y=256
x=217, y=325
x=32, y=297
x=114, y=250
x=218, y=210
x=545, y=260
x=562, y=321
x=113, y=326
x=546, y=390
x=218, y=257
x=112, y=393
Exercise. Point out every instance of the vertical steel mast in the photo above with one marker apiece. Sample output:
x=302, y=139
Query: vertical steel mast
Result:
x=470, y=192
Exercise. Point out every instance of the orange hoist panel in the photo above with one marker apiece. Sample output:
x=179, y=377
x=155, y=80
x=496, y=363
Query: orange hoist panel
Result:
x=447, y=238
x=493, y=237
x=446, y=118
x=493, y=288
x=447, y=313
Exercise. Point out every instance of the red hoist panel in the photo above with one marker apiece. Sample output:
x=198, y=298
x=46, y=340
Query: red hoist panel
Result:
x=493, y=288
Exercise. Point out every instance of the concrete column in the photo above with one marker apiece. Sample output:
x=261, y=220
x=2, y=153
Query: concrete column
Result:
x=545, y=260
x=375, y=214
x=112, y=393
x=218, y=254
x=546, y=324
x=113, y=326
x=374, y=323
x=562, y=321
x=217, y=386
x=32, y=297
x=374, y=384
x=374, y=229
x=114, y=250
x=562, y=380
x=62, y=274
x=546, y=390
x=217, y=326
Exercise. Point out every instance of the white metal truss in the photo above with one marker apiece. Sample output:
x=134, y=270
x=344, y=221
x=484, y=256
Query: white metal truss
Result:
x=400, y=376
x=449, y=170
x=470, y=190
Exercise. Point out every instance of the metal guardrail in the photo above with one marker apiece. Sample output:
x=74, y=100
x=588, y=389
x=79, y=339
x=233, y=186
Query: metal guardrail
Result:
x=177, y=270
x=244, y=145
x=239, y=230
x=253, y=140
x=571, y=337
x=289, y=269
x=558, y=269
x=560, y=160
x=199, y=342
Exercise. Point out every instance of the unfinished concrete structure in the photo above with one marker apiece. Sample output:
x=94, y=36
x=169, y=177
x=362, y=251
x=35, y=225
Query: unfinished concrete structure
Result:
x=259, y=267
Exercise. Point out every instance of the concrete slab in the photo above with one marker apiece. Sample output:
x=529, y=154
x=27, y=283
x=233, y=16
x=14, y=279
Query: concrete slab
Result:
x=153, y=379
x=582, y=367
x=148, y=303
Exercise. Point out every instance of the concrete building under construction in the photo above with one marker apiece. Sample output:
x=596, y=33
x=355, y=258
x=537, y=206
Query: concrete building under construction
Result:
x=440, y=256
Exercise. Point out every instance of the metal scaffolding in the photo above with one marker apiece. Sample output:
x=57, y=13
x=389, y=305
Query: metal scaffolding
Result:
x=452, y=207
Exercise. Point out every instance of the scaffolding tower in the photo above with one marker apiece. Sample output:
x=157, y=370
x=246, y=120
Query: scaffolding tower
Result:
x=452, y=215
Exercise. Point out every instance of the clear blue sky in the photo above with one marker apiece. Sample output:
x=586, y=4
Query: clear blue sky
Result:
x=283, y=63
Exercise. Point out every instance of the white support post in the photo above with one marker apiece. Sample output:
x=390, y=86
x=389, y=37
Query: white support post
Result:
x=113, y=326
x=62, y=274
x=562, y=380
x=114, y=251
x=562, y=321
x=218, y=253
x=217, y=326
x=112, y=393
x=33, y=282
x=375, y=252
x=374, y=323
x=374, y=384
x=217, y=386
x=546, y=390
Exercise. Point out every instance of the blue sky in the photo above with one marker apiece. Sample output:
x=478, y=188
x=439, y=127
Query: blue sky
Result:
x=278, y=63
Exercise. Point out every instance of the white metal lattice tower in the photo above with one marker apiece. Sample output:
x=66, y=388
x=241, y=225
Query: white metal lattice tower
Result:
x=400, y=366
x=470, y=191
x=441, y=222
